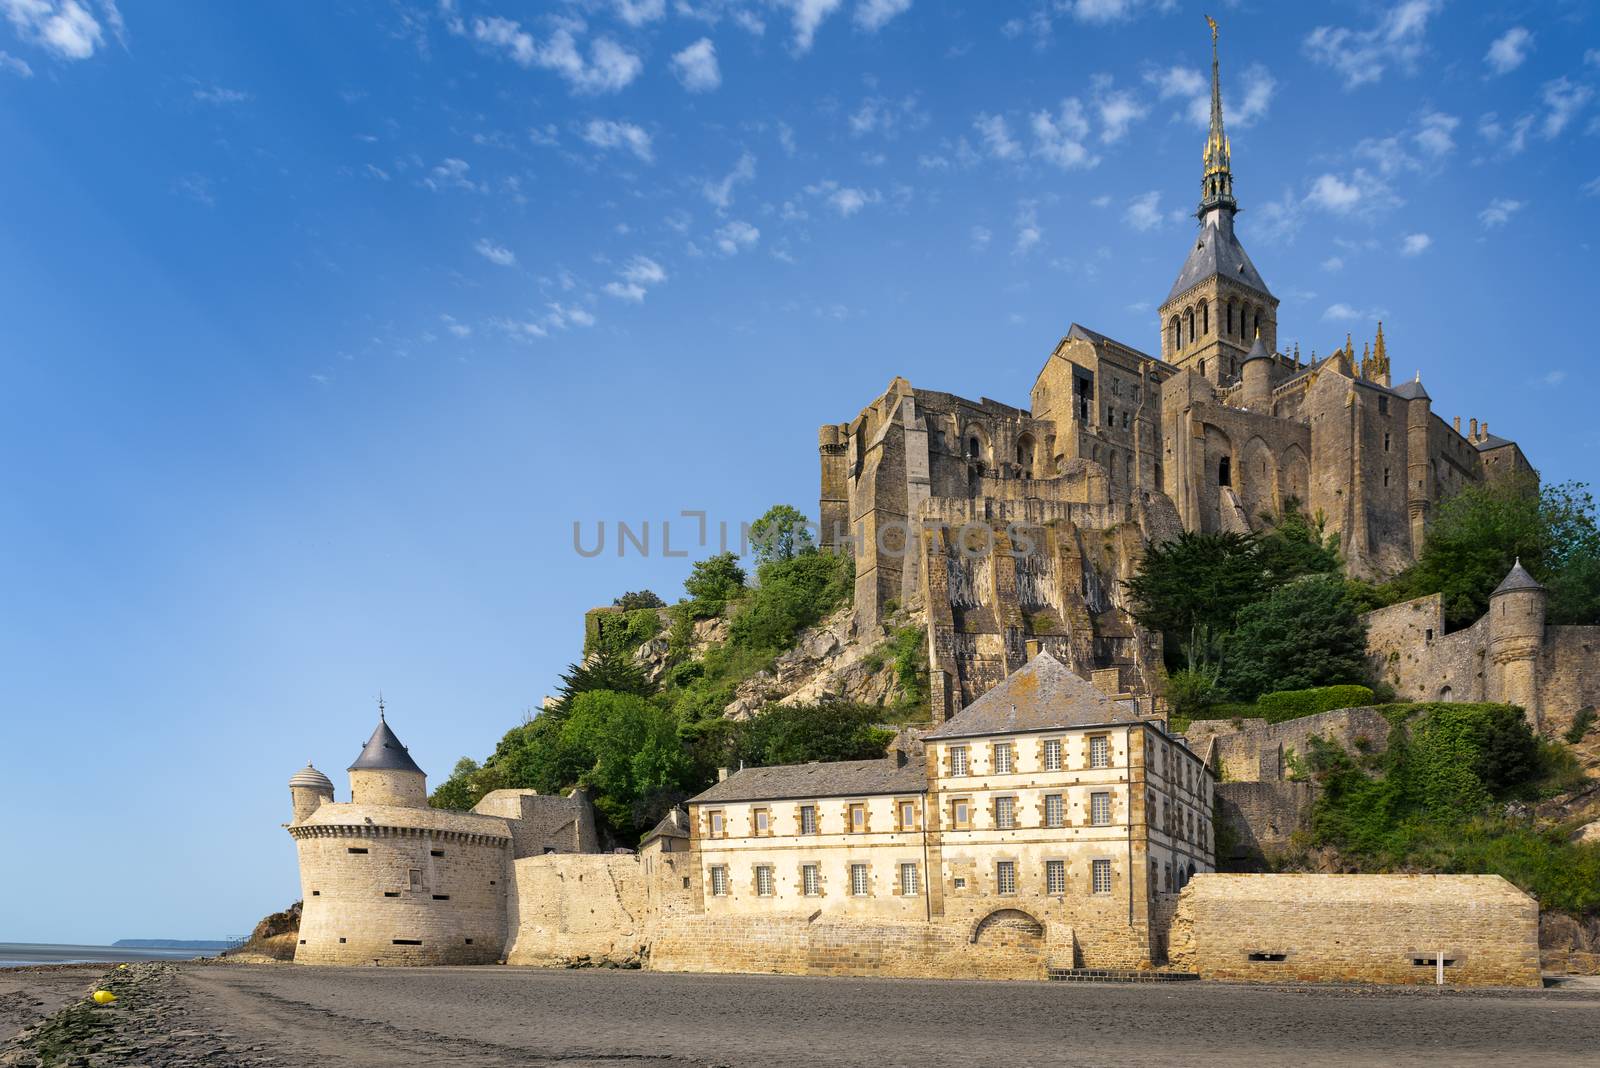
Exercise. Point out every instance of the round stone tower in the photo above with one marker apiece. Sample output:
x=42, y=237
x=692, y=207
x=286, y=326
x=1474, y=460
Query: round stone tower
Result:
x=310, y=790
x=385, y=774
x=1258, y=378
x=1516, y=638
x=388, y=880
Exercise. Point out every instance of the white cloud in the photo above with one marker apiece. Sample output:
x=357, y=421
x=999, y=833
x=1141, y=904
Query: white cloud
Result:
x=609, y=68
x=1499, y=212
x=696, y=66
x=1332, y=193
x=808, y=15
x=219, y=95
x=997, y=136
x=496, y=254
x=1591, y=188
x=848, y=201
x=1117, y=109
x=64, y=28
x=720, y=192
x=452, y=174
x=1257, y=89
x=1415, y=244
x=638, y=13
x=1434, y=136
x=981, y=237
x=1143, y=212
x=1509, y=50
x=1177, y=81
x=1333, y=264
x=872, y=15
x=1028, y=232
x=1102, y=11
x=1059, y=138
x=1592, y=57
x=459, y=329
x=1552, y=378
x=1565, y=99
x=1362, y=56
x=735, y=236
x=635, y=279
x=15, y=66
x=1345, y=313
x=604, y=133
x=1360, y=194
x=562, y=316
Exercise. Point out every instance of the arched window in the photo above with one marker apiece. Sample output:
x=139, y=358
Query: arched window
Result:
x=1244, y=321
x=1025, y=455
x=1225, y=471
x=974, y=448
x=1202, y=368
x=1189, y=324
x=1230, y=318
x=1205, y=318
x=1177, y=339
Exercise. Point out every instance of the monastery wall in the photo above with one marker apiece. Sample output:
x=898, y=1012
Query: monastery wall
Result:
x=567, y=906
x=1357, y=928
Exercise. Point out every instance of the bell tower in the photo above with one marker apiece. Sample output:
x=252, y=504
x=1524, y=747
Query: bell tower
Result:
x=1219, y=304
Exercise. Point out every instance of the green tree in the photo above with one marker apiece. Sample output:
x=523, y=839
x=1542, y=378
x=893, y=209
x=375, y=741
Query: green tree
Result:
x=1295, y=545
x=606, y=669
x=1303, y=634
x=791, y=594
x=712, y=583
x=636, y=599
x=1472, y=543
x=628, y=748
x=1196, y=583
x=780, y=534
x=1570, y=564
x=458, y=792
x=796, y=734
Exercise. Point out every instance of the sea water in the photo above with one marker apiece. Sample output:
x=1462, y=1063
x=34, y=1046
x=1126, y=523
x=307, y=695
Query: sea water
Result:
x=17, y=954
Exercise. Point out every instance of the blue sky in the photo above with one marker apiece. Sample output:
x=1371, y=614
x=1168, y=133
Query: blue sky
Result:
x=321, y=324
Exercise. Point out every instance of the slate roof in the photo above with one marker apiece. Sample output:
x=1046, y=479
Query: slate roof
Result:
x=1411, y=390
x=1258, y=351
x=1517, y=579
x=383, y=752
x=674, y=824
x=834, y=778
x=310, y=776
x=1083, y=333
x=1492, y=441
x=1217, y=251
x=1043, y=694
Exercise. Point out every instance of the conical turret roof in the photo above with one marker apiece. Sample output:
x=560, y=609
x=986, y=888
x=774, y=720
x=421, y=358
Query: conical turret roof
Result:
x=1258, y=351
x=1517, y=579
x=383, y=752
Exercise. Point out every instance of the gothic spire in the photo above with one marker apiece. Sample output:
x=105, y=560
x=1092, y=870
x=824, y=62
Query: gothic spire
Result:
x=1216, y=187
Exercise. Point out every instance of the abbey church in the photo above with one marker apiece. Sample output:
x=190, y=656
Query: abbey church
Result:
x=1010, y=529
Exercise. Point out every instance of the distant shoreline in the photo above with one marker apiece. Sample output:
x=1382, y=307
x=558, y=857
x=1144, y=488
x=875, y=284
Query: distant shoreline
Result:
x=24, y=954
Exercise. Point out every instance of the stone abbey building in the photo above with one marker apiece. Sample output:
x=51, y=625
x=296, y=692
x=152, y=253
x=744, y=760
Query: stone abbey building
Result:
x=1009, y=529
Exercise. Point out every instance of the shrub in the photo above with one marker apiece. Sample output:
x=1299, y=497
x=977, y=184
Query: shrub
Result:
x=791, y=594
x=1282, y=705
x=1580, y=725
x=620, y=633
x=634, y=600
x=1191, y=693
x=1303, y=634
x=712, y=583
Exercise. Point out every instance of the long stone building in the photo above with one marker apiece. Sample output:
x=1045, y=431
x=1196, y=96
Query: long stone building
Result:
x=1009, y=529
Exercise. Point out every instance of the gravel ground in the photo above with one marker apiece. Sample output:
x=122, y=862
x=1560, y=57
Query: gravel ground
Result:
x=230, y=1015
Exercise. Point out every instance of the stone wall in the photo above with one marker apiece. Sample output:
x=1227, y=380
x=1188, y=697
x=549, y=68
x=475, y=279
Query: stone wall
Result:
x=1006, y=944
x=1260, y=818
x=1357, y=928
x=544, y=823
x=570, y=907
x=1253, y=750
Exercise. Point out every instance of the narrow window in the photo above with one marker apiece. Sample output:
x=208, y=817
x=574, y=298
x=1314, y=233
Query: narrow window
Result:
x=1003, y=762
x=958, y=761
x=811, y=880
x=1167, y=879
x=1111, y=416
x=435, y=852
x=1205, y=318
x=764, y=881
x=1100, y=809
x=974, y=448
x=718, y=825
x=1202, y=368
x=353, y=849
x=719, y=882
x=407, y=941
x=1055, y=876
x=1225, y=471
x=808, y=819
x=1100, y=877
x=416, y=878
x=1052, y=754
x=908, y=880
x=1383, y=405
x=1005, y=813
x=961, y=813
x=1124, y=420
x=1055, y=811
x=1385, y=441
x=391, y=893
x=858, y=880
x=1005, y=877
x=763, y=821
x=1099, y=751
x=1385, y=476
x=858, y=818
x=441, y=897
x=469, y=941
x=316, y=893
x=908, y=815
x=341, y=941
x=1177, y=339
x=1268, y=957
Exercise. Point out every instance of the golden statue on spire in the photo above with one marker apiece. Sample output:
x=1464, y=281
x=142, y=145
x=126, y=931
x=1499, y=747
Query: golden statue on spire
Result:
x=1213, y=24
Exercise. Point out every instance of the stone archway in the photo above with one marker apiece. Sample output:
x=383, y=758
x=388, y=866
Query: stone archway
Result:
x=1009, y=928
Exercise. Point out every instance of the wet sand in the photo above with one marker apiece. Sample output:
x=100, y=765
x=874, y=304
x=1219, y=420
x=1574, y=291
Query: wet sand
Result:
x=225, y=1015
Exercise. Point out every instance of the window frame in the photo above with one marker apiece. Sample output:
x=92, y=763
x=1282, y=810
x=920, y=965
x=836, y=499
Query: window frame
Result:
x=853, y=809
x=1059, y=819
x=1005, y=812
x=1100, y=806
x=716, y=823
x=1052, y=746
x=960, y=761
x=1005, y=872
x=860, y=880
x=1004, y=756
x=758, y=816
x=911, y=887
x=719, y=881
x=1052, y=868
x=811, y=880
x=808, y=813
x=957, y=823
x=1097, y=868
x=1099, y=751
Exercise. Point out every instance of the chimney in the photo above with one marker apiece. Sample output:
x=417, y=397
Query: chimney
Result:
x=722, y=774
x=1485, y=429
x=1458, y=424
x=1474, y=435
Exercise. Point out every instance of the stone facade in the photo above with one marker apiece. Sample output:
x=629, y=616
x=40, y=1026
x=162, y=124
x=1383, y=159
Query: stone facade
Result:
x=1508, y=655
x=1117, y=449
x=1358, y=928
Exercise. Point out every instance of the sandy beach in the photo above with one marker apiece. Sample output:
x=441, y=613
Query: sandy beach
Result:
x=234, y=1015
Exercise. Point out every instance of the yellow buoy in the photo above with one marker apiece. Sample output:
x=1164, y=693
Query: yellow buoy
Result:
x=104, y=997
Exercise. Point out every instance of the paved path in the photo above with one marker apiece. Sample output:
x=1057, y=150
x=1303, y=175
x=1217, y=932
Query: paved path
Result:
x=362, y=1017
